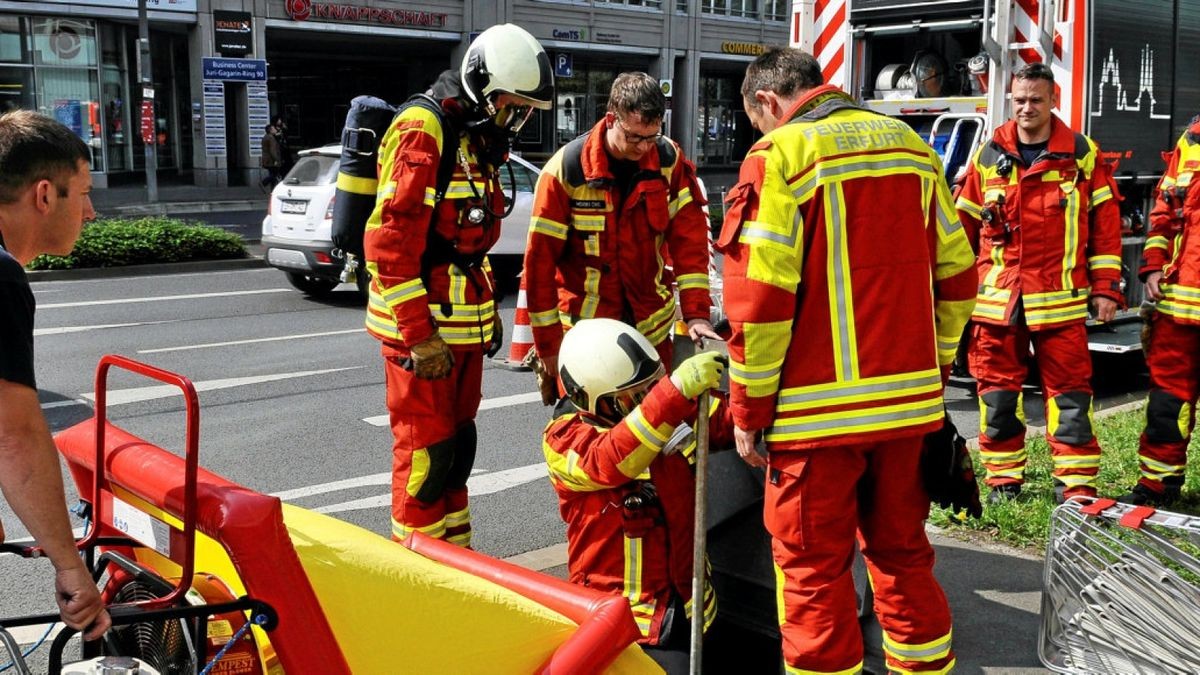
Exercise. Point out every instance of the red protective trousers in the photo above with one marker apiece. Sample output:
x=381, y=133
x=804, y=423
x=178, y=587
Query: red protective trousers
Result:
x=816, y=500
x=1174, y=362
x=999, y=361
x=433, y=426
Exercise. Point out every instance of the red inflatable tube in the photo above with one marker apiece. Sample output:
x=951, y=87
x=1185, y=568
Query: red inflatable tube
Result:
x=247, y=524
x=606, y=625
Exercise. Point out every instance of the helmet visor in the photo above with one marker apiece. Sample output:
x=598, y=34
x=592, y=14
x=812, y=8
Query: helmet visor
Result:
x=624, y=400
x=512, y=116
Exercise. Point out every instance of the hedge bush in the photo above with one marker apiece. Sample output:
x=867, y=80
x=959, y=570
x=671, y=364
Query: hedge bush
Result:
x=116, y=242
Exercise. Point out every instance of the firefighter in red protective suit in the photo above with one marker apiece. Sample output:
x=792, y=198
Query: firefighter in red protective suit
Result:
x=1042, y=207
x=431, y=287
x=620, y=455
x=1171, y=270
x=611, y=209
x=848, y=280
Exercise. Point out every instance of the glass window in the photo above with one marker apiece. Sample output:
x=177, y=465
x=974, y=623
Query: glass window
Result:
x=681, y=6
x=776, y=10
x=16, y=88
x=747, y=9
x=12, y=41
x=525, y=178
x=64, y=42
x=313, y=170
x=655, y=4
x=723, y=132
x=72, y=96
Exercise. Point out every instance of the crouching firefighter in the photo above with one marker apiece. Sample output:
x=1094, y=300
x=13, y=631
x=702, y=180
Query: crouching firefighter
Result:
x=621, y=453
x=430, y=300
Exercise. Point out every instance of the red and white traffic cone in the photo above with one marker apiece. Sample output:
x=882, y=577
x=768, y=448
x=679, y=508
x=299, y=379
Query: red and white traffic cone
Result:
x=520, y=338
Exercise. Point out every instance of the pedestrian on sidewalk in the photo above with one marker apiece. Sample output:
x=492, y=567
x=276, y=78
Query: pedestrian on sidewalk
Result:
x=1041, y=207
x=44, y=186
x=621, y=457
x=272, y=158
x=1171, y=270
x=848, y=280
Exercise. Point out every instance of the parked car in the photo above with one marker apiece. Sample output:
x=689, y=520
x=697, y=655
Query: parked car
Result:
x=296, y=230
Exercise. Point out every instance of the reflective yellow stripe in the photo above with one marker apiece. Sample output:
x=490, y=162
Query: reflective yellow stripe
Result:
x=543, y=319
x=866, y=389
x=1173, y=308
x=459, y=518
x=1100, y=196
x=402, y=292
x=588, y=222
x=948, y=668
x=1076, y=480
x=566, y=473
x=1156, y=241
x=768, y=342
x=689, y=281
x=923, y=652
x=848, y=167
x=657, y=326
x=462, y=539
x=633, y=582
x=591, y=293
x=458, y=286
x=430, y=196
x=826, y=425
x=971, y=208
x=436, y=530
x=681, y=200
x=548, y=227
x=1070, y=237
x=853, y=670
x=765, y=232
x=1076, y=461
x=591, y=244
x=357, y=185
x=1052, y=297
x=997, y=258
x=1104, y=262
x=845, y=338
x=1003, y=457
x=651, y=439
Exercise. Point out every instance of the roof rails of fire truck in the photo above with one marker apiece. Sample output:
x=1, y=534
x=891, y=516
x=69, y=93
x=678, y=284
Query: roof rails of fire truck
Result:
x=1004, y=51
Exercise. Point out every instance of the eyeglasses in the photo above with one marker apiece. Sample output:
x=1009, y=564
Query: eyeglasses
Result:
x=635, y=139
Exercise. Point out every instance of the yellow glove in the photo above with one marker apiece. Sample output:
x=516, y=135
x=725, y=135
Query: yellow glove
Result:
x=699, y=373
x=431, y=359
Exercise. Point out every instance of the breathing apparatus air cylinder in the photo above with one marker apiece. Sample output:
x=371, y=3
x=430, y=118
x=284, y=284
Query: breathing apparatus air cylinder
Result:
x=366, y=123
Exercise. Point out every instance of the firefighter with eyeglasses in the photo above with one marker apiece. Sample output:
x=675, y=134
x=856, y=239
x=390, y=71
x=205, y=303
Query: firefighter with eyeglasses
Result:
x=617, y=225
x=1041, y=206
x=1171, y=271
x=620, y=453
x=431, y=291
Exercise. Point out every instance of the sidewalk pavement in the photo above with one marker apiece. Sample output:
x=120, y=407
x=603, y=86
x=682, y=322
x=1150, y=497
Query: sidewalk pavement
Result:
x=133, y=200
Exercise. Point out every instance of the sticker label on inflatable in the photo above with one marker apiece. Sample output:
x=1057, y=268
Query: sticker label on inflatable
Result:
x=141, y=526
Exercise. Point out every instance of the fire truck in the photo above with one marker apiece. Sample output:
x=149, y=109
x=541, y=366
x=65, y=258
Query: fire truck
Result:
x=1122, y=72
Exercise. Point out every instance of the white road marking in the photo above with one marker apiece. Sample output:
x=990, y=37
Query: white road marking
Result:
x=486, y=404
x=160, y=298
x=384, y=478
x=64, y=404
x=62, y=330
x=137, y=394
x=542, y=558
x=482, y=484
x=230, y=343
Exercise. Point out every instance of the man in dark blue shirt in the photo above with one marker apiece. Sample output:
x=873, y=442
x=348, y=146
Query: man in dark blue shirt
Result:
x=44, y=201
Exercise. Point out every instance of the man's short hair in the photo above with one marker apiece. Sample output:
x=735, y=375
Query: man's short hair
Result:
x=34, y=147
x=783, y=70
x=1035, y=71
x=639, y=93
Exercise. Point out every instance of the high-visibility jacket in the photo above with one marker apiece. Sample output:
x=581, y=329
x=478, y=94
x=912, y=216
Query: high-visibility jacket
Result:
x=629, y=508
x=1173, y=243
x=1048, y=235
x=587, y=258
x=426, y=256
x=848, y=279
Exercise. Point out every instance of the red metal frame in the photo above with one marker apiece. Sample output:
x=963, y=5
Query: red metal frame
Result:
x=191, y=463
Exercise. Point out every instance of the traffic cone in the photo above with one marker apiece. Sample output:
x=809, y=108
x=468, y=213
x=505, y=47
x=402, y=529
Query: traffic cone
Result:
x=520, y=338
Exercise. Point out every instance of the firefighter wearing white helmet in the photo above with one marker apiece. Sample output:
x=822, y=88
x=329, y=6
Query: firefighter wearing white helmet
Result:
x=619, y=451
x=437, y=211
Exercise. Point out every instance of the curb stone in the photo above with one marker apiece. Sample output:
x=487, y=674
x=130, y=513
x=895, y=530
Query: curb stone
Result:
x=250, y=262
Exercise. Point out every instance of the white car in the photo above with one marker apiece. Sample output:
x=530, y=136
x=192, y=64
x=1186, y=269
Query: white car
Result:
x=297, y=229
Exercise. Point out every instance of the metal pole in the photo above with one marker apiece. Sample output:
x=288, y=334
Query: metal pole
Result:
x=146, y=80
x=700, y=535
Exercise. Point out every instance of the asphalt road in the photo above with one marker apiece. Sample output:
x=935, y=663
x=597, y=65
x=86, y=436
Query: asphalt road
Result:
x=292, y=403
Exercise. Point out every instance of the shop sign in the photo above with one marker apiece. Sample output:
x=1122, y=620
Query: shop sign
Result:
x=159, y=5
x=743, y=48
x=236, y=70
x=303, y=10
x=233, y=33
x=147, y=122
x=610, y=38
x=574, y=34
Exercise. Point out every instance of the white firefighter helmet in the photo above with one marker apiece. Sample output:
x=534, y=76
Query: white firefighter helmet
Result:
x=506, y=59
x=607, y=367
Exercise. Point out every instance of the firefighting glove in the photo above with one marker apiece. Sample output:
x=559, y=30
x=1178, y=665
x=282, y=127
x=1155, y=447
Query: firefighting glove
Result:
x=948, y=473
x=547, y=378
x=497, y=337
x=699, y=373
x=431, y=359
x=1146, y=314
